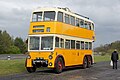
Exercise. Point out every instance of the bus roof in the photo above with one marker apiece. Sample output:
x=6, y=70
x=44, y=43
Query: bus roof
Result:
x=64, y=10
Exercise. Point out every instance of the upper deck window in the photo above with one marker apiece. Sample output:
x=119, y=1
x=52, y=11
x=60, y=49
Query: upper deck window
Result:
x=92, y=26
x=86, y=26
x=49, y=15
x=81, y=23
x=72, y=20
x=89, y=26
x=60, y=17
x=37, y=16
x=67, y=19
x=77, y=22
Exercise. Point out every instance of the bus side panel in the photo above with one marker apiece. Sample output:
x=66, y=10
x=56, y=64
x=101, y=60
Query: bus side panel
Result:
x=82, y=54
x=73, y=57
x=66, y=29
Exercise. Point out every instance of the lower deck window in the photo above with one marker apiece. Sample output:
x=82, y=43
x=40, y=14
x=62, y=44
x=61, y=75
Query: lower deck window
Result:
x=72, y=44
x=62, y=43
x=82, y=44
x=67, y=44
x=90, y=45
x=47, y=43
x=86, y=45
x=41, y=43
x=56, y=42
x=77, y=44
x=34, y=43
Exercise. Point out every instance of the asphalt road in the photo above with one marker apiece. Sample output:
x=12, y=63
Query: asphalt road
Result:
x=99, y=71
x=12, y=56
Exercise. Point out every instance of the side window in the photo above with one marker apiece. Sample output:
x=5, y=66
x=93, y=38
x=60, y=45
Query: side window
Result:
x=86, y=45
x=82, y=23
x=86, y=25
x=72, y=20
x=56, y=42
x=82, y=44
x=90, y=45
x=62, y=43
x=89, y=26
x=77, y=22
x=77, y=44
x=67, y=20
x=92, y=26
x=67, y=44
x=60, y=17
x=72, y=44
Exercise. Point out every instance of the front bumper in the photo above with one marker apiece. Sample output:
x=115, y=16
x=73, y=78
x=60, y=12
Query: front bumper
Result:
x=40, y=63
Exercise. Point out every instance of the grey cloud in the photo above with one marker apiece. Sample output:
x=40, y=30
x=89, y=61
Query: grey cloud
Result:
x=15, y=15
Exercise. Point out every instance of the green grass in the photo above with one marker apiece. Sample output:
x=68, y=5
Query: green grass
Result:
x=102, y=58
x=12, y=66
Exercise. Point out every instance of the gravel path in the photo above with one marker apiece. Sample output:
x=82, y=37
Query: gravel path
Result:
x=99, y=71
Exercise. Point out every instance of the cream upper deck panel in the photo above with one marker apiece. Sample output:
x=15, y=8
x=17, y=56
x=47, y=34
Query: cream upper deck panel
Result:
x=64, y=10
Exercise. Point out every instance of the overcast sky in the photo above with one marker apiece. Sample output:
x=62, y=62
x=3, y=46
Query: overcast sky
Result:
x=15, y=16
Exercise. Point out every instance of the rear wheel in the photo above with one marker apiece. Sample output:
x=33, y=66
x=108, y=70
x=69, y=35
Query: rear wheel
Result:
x=59, y=65
x=31, y=69
x=89, y=62
x=85, y=63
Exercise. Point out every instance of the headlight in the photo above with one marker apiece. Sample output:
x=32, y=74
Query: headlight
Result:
x=50, y=64
x=50, y=57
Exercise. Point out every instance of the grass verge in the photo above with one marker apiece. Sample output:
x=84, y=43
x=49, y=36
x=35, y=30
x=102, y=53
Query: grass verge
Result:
x=102, y=58
x=12, y=66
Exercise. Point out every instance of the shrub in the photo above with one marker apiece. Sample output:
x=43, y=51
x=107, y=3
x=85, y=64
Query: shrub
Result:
x=13, y=50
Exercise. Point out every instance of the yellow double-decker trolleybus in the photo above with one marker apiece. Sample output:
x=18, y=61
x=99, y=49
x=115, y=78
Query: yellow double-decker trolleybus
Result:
x=59, y=38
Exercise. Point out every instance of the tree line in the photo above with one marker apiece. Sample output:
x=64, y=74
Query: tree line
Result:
x=9, y=45
x=108, y=48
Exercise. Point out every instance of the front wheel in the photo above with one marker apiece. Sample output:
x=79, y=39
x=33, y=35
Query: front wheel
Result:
x=59, y=65
x=31, y=69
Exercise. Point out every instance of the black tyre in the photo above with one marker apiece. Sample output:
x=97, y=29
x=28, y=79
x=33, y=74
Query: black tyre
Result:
x=85, y=63
x=59, y=65
x=31, y=69
x=89, y=62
